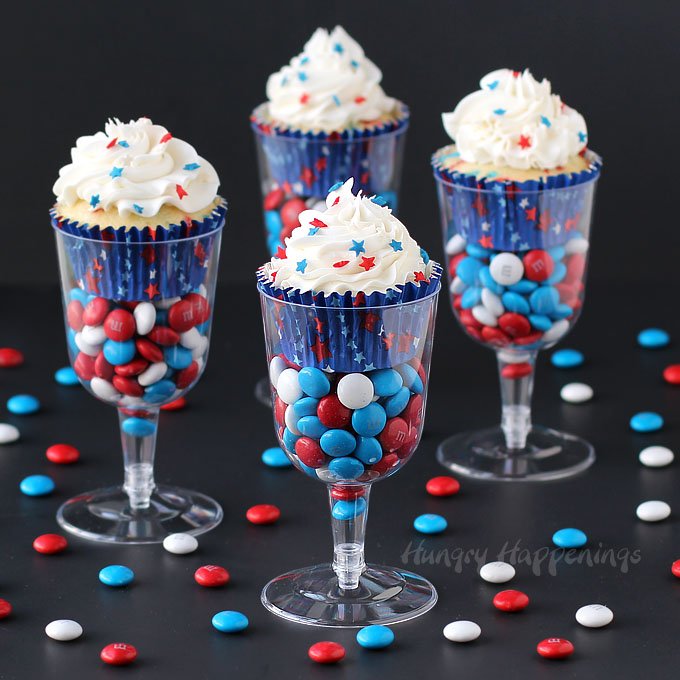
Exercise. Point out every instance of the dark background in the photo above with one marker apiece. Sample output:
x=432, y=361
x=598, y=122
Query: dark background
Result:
x=200, y=67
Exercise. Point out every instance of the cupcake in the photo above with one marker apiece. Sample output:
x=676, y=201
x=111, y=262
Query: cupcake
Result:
x=352, y=254
x=326, y=118
x=137, y=183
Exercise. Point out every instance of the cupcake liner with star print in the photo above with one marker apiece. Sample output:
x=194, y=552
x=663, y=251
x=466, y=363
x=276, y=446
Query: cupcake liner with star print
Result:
x=142, y=271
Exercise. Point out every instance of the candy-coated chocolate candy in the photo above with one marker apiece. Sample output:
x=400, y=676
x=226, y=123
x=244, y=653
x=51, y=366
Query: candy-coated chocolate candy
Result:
x=275, y=457
x=386, y=463
x=462, y=631
x=152, y=374
x=276, y=366
x=149, y=350
x=395, y=404
x=594, y=616
x=386, y=382
x=430, y=524
x=93, y=336
x=411, y=378
x=567, y=358
x=263, y=514
x=279, y=410
x=290, y=212
x=368, y=450
x=569, y=538
x=50, y=544
x=477, y=251
x=8, y=433
x=309, y=452
x=394, y=434
x=338, y=442
x=675, y=569
x=413, y=414
x=138, y=427
x=74, y=315
x=180, y=544
x=495, y=336
x=187, y=375
x=5, y=609
x=131, y=369
x=468, y=270
x=288, y=386
x=341, y=492
x=671, y=374
x=646, y=421
x=576, y=393
x=119, y=325
x=307, y=406
x=544, y=300
x=128, y=386
x=310, y=426
x=211, y=576
x=653, y=338
x=289, y=439
x=484, y=316
x=456, y=244
x=314, y=382
x=656, y=456
x=370, y=420
x=177, y=357
x=117, y=353
x=63, y=630
x=454, y=262
x=85, y=366
x=200, y=305
x=181, y=316
x=556, y=331
x=86, y=347
x=515, y=325
x=145, y=317
x=540, y=322
x=516, y=303
x=62, y=454
x=66, y=376
x=176, y=405
x=326, y=652
x=442, y=486
x=489, y=282
x=497, y=572
x=274, y=199
x=118, y=654
x=95, y=311
x=116, y=575
x=104, y=389
x=103, y=369
x=230, y=621
x=510, y=600
x=492, y=302
x=346, y=467
x=555, y=648
x=653, y=511
x=538, y=265
x=506, y=269
x=192, y=339
x=375, y=637
x=516, y=371
x=165, y=303
x=355, y=390
x=37, y=485
x=332, y=413
x=164, y=336
x=23, y=404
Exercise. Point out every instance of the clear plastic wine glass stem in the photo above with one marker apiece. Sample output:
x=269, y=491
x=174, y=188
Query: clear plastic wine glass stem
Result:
x=348, y=544
x=516, y=398
x=138, y=458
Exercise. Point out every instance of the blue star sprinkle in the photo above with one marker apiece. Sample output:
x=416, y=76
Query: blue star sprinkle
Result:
x=115, y=172
x=499, y=112
x=354, y=63
x=582, y=136
x=301, y=266
x=379, y=200
x=338, y=48
x=302, y=76
x=94, y=200
x=396, y=245
x=138, y=208
x=545, y=121
x=123, y=143
x=304, y=60
x=493, y=85
x=312, y=231
x=358, y=247
x=192, y=166
x=336, y=99
x=335, y=187
x=424, y=255
x=284, y=81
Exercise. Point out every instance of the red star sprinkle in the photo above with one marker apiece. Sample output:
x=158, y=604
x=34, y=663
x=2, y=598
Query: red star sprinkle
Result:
x=544, y=220
x=281, y=253
x=359, y=100
x=316, y=222
x=419, y=276
x=486, y=242
x=342, y=263
x=112, y=143
x=180, y=191
x=337, y=200
x=367, y=263
x=530, y=214
x=388, y=340
x=165, y=138
x=304, y=98
x=524, y=141
x=273, y=275
x=516, y=74
x=151, y=290
x=320, y=350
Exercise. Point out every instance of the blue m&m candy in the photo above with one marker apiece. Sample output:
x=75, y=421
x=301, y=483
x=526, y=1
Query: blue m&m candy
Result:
x=177, y=357
x=338, y=443
x=23, y=404
x=66, y=376
x=79, y=295
x=368, y=450
x=37, y=485
x=544, y=300
x=471, y=297
x=314, y=382
x=386, y=382
x=311, y=426
x=344, y=510
x=566, y=358
x=411, y=378
x=138, y=427
x=119, y=353
x=514, y=302
x=346, y=467
x=646, y=421
x=569, y=538
x=489, y=282
x=540, y=322
x=524, y=287
x=276, y=458
x=370, y=420
x=273, y=222
x=396, y=404
x=305, y=407
x=375, y=637
x=430, y=524
x=468, y=270
x=653, y=338
x=289, y=440
x=116, y=575
x=159, y=391
x=230, y=621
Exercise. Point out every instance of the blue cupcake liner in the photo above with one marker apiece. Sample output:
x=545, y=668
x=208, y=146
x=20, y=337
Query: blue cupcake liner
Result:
x=171, y=264
x=324, y=331
x=516, y=216
x=302, y=159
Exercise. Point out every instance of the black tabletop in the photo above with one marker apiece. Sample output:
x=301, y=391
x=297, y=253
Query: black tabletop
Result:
x=214, y=446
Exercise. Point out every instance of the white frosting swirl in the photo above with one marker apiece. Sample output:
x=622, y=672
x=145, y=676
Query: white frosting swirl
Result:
x=136, y=167
x=354, y=245
x=329, y=87
x=516, y=121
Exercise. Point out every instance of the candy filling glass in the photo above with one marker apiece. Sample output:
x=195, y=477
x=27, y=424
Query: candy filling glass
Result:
x=137, y=355
x=349, y=429
x=516, y=300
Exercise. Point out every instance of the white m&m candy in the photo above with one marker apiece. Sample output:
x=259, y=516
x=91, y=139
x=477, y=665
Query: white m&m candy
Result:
x=145, y=317
x=456, y=244
x=576, y=393
x=288, y=386
x=656, y=456
x=276, y=367
x=506, y=269
x=497, y=572
x=104, y=389
x=355, y=391
x=594, y=616
x=653, y=511
x=180, y=544
x=63, y=630
x=8, y=433
x=462, y=631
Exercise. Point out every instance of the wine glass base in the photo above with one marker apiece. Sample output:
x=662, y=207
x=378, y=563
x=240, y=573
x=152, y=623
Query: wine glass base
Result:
x=263, y=392
x=548, y=454
x=105, y=515
x=312, y=596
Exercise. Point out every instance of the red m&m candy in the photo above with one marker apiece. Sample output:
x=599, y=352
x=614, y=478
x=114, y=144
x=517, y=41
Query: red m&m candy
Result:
x=62, y=454
x=495, y=335
x=263, y=514
x=50, y=544
x=413, y=413
x=211, y=576
x=199, y=306
x=510, y=600
x=5, y=609
x=671, y=374
x=516, y=371
x=394, y=434
x=118, y=654
x=274, y=199
x=102, y=368
x=346, y=493
x=675, y=568
x=119, y=325
x=290, y=212
x=95, y=311
x=84, y=366
x=161, y=335
x=538, y=265
x=10, y=357
x=186, y=376
x=74, y=315
x=181, y=316
x=132, y=368
x=555, y=648
x=149, y=350
x=442, y=486
x=309, y=452
x=386, y=463
x=332, y=413
x=176, y=405
x=515, y=325
x=326, y=652
x=128, y=386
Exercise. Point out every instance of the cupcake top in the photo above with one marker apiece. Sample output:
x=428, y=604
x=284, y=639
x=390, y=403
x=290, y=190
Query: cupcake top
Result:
x=329, y=87
x=134, y=173
x=356, y=245
x=516, y=122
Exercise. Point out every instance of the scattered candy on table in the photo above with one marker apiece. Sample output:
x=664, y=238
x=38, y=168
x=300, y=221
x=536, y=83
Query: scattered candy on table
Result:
x=671, y=374
x=63, y=630
x=442, y=486
x=37, y=485
x=656, y=456
x=646, y=421
x=211, y=576
x=511, y=600
x=5, y=609
x=555, y=648
x=653, y=511
x=497, y=572
x=653, y=338
x=230, y=621
x=675, y=568
x=10, y=357
x=462, y=631
x=116, y=575
x=594, y=616
x=23, y=405
x=569, y=538
x=276, y=457
x=8, y=433
x=66, y=376
x=62, y=454
x=263, y=514
x=430, y=524
x=118, y=654
x=180, y=544
x=326, y=652
x=567, y=358
x=50, y=544
x=375, y=637
x=576, y=393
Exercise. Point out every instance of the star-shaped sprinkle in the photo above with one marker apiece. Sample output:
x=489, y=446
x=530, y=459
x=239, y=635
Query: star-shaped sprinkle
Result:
x=582, y=137
x=94, y=200
x=165, y=138
x=486, y=242
x=336, y=100
x=359, y=100
x=358, y=247
x=316, y=222
x=301, y=266
x=181, y=191
x=302, y=76
x=354, y=63
x=396, y=245
x=338, y=48
x=312, y=231
x=492, y=85
x=545, y=121
x=192, y=166
x=138, y=208
x=115, y=172
x=124, y=144
x=335, y=187
x=367, y=263
x=341, y=263
x=304, y=98
x=499, y=112
x=379, y=200
x=530, y=214
x=112, y=143
x=524, y=141
x=281, y=253
x=151, y=291
x=420, y=276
